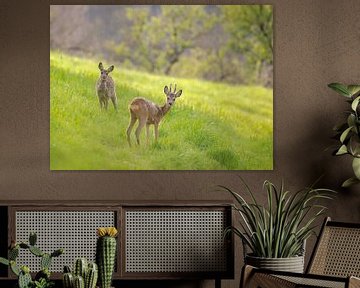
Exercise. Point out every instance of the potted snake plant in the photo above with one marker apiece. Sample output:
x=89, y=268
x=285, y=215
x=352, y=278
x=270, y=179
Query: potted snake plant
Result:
x=348, y=133
x=274, y=234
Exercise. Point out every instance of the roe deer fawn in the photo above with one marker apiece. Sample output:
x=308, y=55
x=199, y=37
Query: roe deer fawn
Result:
x=105, y=87
x=149, y=113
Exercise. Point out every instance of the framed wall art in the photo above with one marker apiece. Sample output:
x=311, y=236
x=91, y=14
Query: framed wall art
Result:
x=161, y=87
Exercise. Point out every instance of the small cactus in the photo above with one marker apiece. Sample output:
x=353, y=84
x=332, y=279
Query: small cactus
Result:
x=79, y=282
x=23, y=273
x=45, y=261
x=68, y=280
x=32, y=239
x=67, y=269
x=89, y=272
x=14, y=268
x=24, y=246
x=91, y=276
x=13, y=253
x=57, y=252
x=80, y=268
x=105, y=254
x=24, y=277
x=36, y=251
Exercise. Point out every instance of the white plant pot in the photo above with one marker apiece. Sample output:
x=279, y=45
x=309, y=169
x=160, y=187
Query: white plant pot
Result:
x=291, y=264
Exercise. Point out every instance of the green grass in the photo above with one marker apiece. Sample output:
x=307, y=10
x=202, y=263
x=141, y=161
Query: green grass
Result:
x=212, y=126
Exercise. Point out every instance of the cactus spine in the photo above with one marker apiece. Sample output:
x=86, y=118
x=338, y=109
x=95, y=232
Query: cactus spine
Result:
x=105, y=254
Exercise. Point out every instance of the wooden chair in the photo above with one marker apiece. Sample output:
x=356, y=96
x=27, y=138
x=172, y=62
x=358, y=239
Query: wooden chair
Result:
x=335, y=262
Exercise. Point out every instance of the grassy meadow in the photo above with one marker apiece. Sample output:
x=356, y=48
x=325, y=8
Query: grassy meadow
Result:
x=212, y=126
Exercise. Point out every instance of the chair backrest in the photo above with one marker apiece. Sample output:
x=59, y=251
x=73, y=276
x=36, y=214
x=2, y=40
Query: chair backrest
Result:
x=337, y=251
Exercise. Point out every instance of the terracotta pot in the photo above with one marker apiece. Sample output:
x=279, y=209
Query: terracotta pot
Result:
x=291, y=264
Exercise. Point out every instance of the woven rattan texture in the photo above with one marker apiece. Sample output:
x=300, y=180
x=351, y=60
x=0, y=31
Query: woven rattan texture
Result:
x=267, y=280
x=305, y=282
x=338, y=253
x=175, y=241
x=75, y=231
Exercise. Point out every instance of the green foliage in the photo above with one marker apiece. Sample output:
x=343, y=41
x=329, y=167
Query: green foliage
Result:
x=349, y=131
x=207, y=119
x=43, y=283
x=42, y=278
x=279, y=229
x=157, y=42
x=251, y=30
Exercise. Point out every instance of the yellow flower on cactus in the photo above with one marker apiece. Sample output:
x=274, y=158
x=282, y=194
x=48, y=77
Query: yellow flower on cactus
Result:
x=107, y=231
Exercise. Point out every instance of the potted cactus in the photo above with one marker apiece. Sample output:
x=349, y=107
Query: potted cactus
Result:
x=84, y=275
x=42, y=278
x=106, y=254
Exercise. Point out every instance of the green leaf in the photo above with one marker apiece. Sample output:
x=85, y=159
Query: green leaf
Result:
x=345, y=134
x=353, y=89
x=340, y=88
x=354, y=145
x=349, y=182
x=355, y=103
x=356, y=167
x=4, y=261
x=351, y=120
x=342, y=150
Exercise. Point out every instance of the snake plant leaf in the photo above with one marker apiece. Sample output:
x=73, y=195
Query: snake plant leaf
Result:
x=342, y=150
x=353, y=89
x=340, y=88
x=349, y=182
x=279, y=228
x=345, y=134
x=355, y=103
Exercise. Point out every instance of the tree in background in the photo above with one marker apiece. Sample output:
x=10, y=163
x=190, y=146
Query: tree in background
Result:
x=158, y=41
x=231, y=44
x=251, y=33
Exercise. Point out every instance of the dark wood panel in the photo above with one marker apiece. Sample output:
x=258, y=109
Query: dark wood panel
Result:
x=3, y=239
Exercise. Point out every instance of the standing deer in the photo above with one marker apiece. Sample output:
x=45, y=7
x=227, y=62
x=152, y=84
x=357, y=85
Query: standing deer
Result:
x=149, y=113
x=105, y=87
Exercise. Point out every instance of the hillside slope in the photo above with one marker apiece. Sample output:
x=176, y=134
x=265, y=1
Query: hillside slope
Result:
x=212, y=126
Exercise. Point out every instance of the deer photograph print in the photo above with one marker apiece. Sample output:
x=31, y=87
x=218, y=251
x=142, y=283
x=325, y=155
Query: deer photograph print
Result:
x=161, y=87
